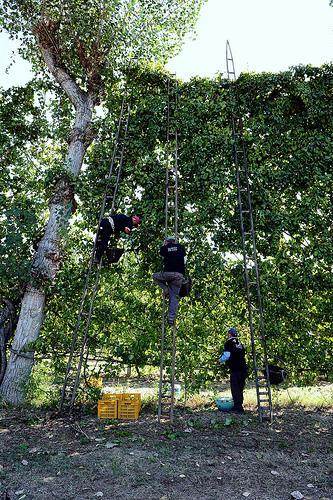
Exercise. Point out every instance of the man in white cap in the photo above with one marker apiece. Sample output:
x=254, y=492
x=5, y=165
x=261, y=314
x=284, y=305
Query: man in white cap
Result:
x=171, y=278
x=234, y=357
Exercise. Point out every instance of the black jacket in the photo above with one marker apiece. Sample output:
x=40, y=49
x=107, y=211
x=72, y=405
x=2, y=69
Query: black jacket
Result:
x=173, y=255
x=236, y=362
x=120, y=222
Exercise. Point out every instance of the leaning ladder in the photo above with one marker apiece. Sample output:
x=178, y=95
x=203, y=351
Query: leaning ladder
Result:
x=79, y=346
x=166, y=392
x=250, y=260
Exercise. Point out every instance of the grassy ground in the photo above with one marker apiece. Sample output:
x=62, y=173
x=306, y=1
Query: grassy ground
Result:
x=206, y=455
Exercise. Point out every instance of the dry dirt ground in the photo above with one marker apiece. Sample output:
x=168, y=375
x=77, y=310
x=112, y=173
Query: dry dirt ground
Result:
x=207, y=455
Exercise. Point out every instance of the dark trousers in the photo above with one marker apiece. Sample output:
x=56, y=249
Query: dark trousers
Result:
x=237, y=384
x=170, y=282
x=103, y=237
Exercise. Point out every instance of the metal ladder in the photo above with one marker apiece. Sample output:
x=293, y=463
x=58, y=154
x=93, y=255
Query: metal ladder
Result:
x=79, y=347
x=166, y=392
x=250, y=259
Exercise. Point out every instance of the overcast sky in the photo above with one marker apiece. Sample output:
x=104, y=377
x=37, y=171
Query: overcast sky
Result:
x=265, y=35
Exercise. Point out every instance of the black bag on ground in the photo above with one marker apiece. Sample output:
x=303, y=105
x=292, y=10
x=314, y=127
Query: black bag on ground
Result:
x=186, y=287
x=276, y=374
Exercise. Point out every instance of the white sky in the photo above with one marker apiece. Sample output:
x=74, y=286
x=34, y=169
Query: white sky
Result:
x=265, y=35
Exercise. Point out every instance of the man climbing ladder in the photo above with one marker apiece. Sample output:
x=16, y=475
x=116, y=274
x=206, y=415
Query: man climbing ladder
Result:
x=171, y=278
x=113, y=225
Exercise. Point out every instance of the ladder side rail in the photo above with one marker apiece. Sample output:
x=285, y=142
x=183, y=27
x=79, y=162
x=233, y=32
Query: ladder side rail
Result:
x=74, y=338
x=161, y=362
x=163, y=336
x=174, y=329
x=258, y=287
x=171, y=175
x=119, y=170
x=261, y=410
x=78, y=320
x=176, y=162
x=112, y=163
x=85, y=337
x=246, y=275
x=167, y=180
x=121, y=161
x=262, y=337
x=176, y=185
x=173, y=369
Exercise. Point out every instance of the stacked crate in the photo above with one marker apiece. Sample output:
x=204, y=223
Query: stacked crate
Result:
x=123, y=406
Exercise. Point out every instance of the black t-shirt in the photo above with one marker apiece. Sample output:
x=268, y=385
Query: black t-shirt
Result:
x=236, y=361
x=173, y=255
x=121, y=221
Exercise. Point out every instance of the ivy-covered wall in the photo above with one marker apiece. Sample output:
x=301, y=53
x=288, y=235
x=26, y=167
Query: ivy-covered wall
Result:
x=288, y=131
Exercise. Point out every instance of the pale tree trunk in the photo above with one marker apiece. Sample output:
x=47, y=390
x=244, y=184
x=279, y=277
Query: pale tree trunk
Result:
x=48, y=256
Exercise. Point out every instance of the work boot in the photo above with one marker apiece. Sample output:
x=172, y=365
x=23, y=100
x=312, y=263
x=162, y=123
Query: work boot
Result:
x=237, y=409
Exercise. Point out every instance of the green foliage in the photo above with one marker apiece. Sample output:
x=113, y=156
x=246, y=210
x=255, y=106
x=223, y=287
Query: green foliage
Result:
x=95, y=40
x=23, y=136
x=288, y=127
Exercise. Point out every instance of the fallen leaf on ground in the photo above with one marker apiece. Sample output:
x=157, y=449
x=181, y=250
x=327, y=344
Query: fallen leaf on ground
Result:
x=110, y=444
x=297, y=495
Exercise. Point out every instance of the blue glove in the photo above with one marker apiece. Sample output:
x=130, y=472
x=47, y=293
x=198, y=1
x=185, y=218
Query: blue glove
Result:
x=225, y=356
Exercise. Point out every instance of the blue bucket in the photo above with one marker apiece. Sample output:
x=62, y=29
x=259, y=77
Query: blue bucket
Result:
x=224, y=404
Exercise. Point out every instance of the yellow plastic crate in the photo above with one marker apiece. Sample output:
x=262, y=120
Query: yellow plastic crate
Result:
x=129, y=406
x=107, y=408
x=110, y=395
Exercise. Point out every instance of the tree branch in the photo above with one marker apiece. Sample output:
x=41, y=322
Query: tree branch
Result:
x=45, y=32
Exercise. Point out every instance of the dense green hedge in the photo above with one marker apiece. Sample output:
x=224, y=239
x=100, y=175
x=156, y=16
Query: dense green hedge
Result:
x=288, y=130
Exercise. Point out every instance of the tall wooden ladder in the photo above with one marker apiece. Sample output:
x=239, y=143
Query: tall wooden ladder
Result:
x=166, y=392
x=250, y=259
x=78, y=355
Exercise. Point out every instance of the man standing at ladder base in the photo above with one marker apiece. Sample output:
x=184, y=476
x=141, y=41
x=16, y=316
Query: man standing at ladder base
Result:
x=171, y=278
x=234, y=356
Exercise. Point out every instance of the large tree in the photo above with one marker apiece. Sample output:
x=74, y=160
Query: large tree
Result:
x=85, y=46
